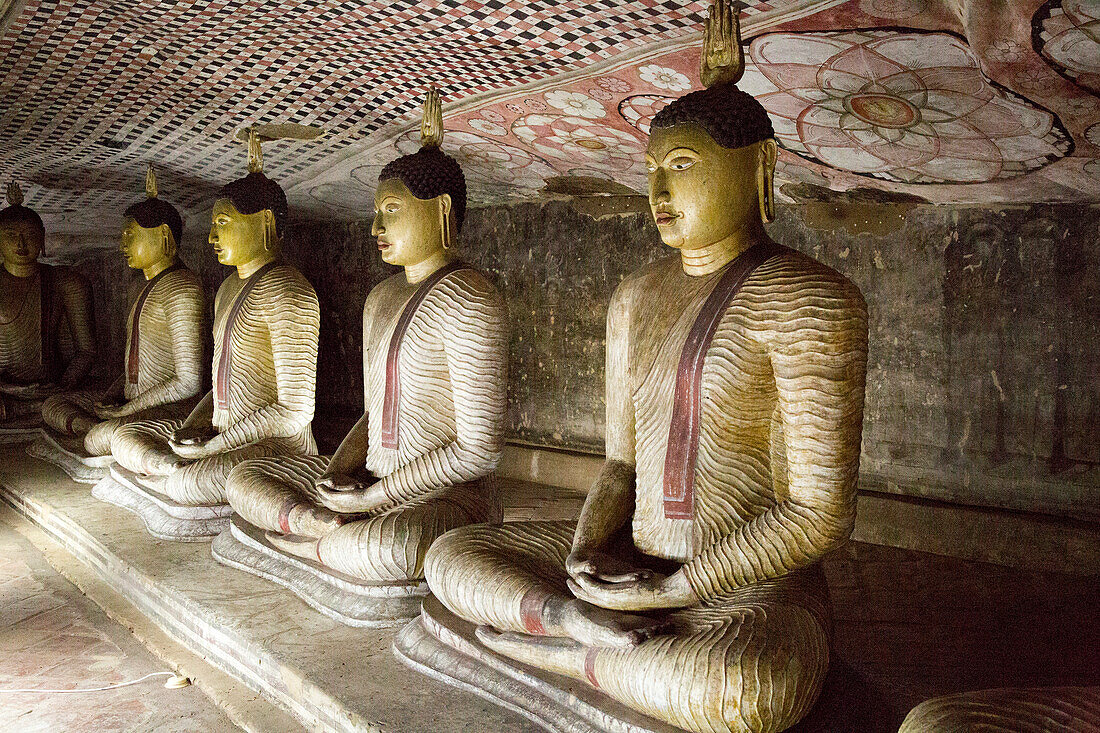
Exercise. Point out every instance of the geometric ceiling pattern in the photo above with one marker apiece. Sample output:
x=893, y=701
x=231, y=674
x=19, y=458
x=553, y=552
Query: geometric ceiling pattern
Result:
x=948, y=100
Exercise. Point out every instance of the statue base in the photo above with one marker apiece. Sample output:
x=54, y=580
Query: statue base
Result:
x=164, y=518
x=444, y=647
x=69, y=455
x=343, y=598
x=21, y=429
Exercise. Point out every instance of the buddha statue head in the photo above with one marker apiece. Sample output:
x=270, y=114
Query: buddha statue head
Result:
x=22, y=234
x=420, y=202
x=711, y=154
x=152, y=232
x=249, y=218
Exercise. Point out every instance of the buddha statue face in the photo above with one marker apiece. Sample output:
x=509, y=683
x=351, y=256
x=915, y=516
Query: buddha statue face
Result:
x=240, y=238
x=20, y=243
x=145, y=247
x=700, y=192
x=409, y=230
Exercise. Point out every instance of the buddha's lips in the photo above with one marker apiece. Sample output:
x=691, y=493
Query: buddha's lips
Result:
x=383, y=245
x=664, y=217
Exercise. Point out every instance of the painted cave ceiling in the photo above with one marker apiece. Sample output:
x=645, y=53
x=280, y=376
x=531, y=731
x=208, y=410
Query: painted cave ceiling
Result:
x=967, y=101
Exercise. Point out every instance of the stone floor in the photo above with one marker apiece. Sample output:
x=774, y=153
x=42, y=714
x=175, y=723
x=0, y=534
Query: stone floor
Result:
x=908, y=625
x=52, y=637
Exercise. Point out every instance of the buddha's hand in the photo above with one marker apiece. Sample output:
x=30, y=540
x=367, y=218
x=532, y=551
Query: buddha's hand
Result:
x=338, y=482
x=192, y=451
x=356, y=500
x=191, y=435
x=107, y=410
x=602, y=566
x=652, y=592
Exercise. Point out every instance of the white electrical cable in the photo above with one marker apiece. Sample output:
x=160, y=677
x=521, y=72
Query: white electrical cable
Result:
x=101, y=689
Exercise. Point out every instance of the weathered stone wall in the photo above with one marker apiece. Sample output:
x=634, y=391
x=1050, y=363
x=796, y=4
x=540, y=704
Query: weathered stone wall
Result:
x=983, y=382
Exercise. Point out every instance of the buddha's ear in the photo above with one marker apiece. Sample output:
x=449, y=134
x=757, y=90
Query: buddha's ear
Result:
x=446, y=221
x=271, y=232
x=168, y=241
x=765, y=178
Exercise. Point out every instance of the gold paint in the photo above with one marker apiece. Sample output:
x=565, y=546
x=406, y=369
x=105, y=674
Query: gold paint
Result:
x=723, y=60
x=431, y=122
x=707, y=200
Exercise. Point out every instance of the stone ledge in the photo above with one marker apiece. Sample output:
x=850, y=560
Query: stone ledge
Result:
x=329, y=676
x=1016, y=539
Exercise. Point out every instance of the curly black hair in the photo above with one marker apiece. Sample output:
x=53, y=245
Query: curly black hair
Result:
x=256, y=192
x=21, y=214
x=427, y=173
x=732, y=117
x=153, y=212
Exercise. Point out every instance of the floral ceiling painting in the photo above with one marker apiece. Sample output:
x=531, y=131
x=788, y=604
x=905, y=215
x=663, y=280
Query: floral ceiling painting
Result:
x=949, y=101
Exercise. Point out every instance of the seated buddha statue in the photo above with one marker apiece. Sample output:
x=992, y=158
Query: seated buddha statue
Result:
x=162, y=371
x=690, y=590
x=46, y=339
x=419, y=460
x=266, y=321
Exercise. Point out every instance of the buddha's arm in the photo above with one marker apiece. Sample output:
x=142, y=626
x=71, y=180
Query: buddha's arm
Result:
x=183, y=310
x=818, y=350
x=610, y=502
x=76, y=298
x=475, y=340
x=293, y=321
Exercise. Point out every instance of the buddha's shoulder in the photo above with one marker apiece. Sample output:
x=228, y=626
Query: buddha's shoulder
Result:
x=472, y=281
x=287, y=278
x=791, y=275
x=181, y=279
x=647, y=279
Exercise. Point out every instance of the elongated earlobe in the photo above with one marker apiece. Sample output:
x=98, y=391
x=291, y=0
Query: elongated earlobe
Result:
x=445, y=220
x=765, y=180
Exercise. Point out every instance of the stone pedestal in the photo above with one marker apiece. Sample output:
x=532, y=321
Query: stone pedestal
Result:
x=340, y=597
x=164, y=518
x=69, y=455
x=444, y=647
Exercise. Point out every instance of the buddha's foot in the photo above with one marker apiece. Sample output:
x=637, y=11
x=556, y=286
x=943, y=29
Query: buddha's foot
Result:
x=563, y=656
x=313, y=521
x=594, y=626
x=292, y=544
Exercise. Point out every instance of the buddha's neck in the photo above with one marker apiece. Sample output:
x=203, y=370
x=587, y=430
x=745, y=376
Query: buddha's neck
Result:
x=21, y=270
x=151, y=272
x=424, y=268
x=249, y=268
x=713, y=257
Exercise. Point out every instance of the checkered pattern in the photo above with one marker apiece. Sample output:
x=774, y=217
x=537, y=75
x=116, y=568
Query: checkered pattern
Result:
x=92, y=90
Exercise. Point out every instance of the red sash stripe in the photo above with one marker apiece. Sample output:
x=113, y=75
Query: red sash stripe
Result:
x=530, y=611
x=590, y=666
x=683, y=433
x=391, y=403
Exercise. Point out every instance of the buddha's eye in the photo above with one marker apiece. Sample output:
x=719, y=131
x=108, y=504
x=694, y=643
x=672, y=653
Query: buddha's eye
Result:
x=682, y=163
x=650, y=167
x=390, y=208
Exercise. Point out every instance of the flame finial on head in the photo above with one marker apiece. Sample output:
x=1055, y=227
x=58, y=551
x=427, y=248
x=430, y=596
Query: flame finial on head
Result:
x=431, y=123
x=15, y=194
x=150, y=182
x=723, y=59
x=255, y=153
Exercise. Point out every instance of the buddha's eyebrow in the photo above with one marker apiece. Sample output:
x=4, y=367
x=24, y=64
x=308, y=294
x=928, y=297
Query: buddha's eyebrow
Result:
x=680, y=151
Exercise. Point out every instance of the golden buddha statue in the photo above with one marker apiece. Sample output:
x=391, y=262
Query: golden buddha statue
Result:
x=266, y=321
x=419, y=460
x=690, y=590
x=162, y=374
x=46, y=340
